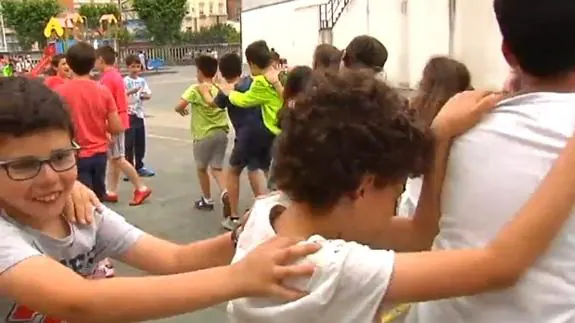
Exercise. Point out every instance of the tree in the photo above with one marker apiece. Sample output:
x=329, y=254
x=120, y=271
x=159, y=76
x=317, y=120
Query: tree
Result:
x=93, y=12
x=28, y=18
x=163, y=18
x=216, y=34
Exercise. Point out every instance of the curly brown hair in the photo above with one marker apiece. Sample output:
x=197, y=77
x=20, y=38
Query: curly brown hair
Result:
x=345, y=126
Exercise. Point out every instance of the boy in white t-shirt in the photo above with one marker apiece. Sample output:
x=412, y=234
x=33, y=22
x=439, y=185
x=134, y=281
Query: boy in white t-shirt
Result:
x=340, y=190
x=44, y=259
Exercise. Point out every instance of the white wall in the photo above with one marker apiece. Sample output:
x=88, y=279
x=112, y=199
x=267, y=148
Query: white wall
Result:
x=291, y=28
x=478, y=43
x=411, y=36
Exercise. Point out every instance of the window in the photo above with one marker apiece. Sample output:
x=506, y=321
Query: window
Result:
x=201, y=8
x=211, y=6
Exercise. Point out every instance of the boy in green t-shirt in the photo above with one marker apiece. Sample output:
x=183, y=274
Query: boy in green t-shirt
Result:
x=266, y=87
x=209, y=127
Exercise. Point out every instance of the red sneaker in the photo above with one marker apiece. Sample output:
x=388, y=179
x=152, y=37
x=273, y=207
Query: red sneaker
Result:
x=140, y=196
x=111, y=198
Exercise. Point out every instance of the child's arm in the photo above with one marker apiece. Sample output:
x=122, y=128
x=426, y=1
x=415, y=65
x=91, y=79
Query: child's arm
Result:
x=186, y=99
x=204, y=90
x=256, y=95
x=114, y=123
x=417, y=233
x=273, y=77
x=451, y=273
x=64, y=294
x=146, y=93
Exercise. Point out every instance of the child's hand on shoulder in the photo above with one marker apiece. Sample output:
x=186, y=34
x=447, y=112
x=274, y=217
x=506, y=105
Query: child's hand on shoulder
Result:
x=462, y=112
x=80, y=204
x=262, y=271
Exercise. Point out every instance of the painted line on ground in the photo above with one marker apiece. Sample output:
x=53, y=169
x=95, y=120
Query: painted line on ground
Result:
x=153, y=136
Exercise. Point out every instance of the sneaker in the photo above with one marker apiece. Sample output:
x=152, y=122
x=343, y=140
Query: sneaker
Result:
x=226, y=208
x=204, y=205
x=140, y=196
x=230, y=223
x=144, y=172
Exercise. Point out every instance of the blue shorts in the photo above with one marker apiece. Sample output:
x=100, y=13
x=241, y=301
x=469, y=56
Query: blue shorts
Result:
x=252, y=149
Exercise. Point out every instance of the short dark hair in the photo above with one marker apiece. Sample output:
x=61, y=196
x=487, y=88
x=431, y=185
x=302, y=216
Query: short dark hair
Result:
x=55, y=62
x=540, y=34
x=297, y=79
x=28, y=106
x=81, y=58
x=346, y=126
x=365, y=51
x=326, y=56
x=207, y=65
x=259, y=54
x=230, y=65
x=132, y=59
x=107, y=53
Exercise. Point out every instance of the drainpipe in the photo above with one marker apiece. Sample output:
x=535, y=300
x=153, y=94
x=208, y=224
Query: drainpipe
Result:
x=452, y=13
x=367, y=14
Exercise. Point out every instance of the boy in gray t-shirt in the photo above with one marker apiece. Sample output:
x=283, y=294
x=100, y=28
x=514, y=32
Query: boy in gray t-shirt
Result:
x=45, y=260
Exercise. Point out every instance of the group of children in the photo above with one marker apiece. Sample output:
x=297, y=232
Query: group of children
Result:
x=344, y=145
x=108, y=118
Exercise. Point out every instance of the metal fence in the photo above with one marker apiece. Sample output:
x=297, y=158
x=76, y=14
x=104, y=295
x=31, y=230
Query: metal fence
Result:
x=179, y=55
x=171, y=55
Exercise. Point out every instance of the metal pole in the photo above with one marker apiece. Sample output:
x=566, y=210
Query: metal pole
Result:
x=3, y=30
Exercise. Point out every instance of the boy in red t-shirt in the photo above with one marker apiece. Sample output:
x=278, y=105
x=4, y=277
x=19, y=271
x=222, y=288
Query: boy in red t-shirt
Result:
x=113, y=80
x=95, y=116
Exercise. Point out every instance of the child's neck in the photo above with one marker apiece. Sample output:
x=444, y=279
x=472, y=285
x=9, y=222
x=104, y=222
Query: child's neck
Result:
x=206, y=80
x=57, y=228
x=82, y=77
x=133, y=76
x=301, y=222
x=233, y=79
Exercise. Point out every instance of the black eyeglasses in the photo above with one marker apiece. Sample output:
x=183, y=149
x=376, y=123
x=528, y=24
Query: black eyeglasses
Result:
x=25, y=168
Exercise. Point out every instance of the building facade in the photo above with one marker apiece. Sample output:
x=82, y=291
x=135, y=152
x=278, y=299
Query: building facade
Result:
x=234, y=8
x=203, y=14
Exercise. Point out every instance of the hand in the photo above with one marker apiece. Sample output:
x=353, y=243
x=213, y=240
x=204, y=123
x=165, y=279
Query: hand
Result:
x=225, y=88
x=272, y=75
x=183, y=112
x=134, y=90
x=204, y=88
x=263, y=270
x=80, y=205
x=462, y=112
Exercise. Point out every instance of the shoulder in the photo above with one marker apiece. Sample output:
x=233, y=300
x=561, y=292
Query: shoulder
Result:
x=347, y=265
x=191, y=92
x=15, y=245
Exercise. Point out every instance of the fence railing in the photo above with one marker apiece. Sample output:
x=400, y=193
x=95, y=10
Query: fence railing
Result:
x=179, y=55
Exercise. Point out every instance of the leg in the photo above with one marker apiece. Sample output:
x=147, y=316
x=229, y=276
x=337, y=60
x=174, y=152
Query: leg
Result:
x=219, y=146
x=99, y=175
x=238, y=161
x=201, y=157
x=129, y=143
x=140, y=149
x=85, y=172
x=257, y=180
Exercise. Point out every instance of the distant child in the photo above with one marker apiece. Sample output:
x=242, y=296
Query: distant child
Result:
x=326, y=56
x=252, y=144
x=113, y=80
x=47, y=263
x=443, y=77
x=59, y=72
x=209, y=127
x=343, y=155
x=365, y=52
x=296, y=81
x=94, y=114
x=138, y=91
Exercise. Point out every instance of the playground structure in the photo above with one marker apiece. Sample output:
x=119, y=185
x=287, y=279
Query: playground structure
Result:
x=63, y=32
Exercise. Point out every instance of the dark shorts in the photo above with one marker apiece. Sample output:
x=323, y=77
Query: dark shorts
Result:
x=92, y=173
x=252, y=149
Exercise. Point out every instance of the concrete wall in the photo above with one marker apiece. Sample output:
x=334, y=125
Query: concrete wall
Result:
x=291, y=28
x=412, y=30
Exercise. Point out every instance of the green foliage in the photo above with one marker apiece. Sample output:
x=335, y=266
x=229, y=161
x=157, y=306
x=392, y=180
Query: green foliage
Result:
x=216, y=34
x=163, y=18
x=93, y=12
x=121, y=34
x=28, y=18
